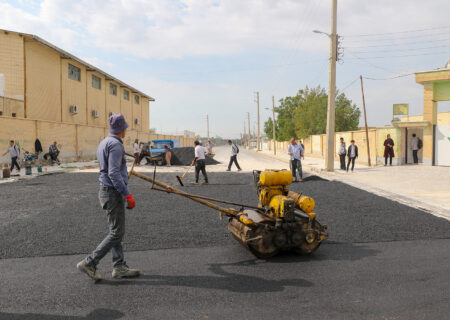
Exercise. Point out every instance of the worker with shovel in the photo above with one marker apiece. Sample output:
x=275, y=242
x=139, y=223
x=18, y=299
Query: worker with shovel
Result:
x=112, y=195
x=199, y=161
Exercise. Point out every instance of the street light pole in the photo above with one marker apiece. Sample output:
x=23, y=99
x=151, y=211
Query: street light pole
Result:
x=258, y=140
x=331, y=112
x=274, y=127
x=207, y=126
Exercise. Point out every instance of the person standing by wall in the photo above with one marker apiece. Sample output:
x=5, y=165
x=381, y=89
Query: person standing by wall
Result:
x=342, y=152
x=168, y=154
x=199, y=162
x=352, y=154
x=14, y=152
x=136, y=151
x=112, y=195
x=388, y=150
x=53, y=152
x=415, y=148
x=233, y=158
x=296, y=151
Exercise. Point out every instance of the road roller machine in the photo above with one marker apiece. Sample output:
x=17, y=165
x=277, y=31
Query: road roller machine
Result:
x=283, y=220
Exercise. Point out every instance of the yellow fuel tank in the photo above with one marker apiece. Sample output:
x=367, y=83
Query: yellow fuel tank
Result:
x=275, y=178
x=306, y=204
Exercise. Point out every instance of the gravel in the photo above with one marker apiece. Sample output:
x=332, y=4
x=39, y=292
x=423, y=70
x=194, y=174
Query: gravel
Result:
x=60, y=214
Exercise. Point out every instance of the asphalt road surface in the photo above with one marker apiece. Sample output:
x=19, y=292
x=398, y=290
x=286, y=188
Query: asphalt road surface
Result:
x=383, y=260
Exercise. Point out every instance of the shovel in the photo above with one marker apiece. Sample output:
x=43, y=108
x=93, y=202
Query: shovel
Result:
x=180, y=179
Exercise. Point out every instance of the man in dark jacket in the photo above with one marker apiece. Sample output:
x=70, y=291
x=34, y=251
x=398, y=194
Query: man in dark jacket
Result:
x=388, y=150
x=342, y=152
x=352, y=154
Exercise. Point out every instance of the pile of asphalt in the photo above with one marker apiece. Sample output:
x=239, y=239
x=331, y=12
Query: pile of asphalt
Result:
x=184, y=156
x=60, y=214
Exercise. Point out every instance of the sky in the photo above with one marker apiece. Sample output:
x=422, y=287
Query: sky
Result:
x=209, y=57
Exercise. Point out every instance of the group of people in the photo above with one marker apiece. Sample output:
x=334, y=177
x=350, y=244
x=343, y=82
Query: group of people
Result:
x=14, y=152
x=200, y=153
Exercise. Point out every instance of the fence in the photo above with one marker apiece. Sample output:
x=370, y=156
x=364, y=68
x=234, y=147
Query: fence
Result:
x=315, y=145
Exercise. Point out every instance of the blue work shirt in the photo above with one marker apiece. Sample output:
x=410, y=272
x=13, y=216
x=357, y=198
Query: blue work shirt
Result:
x=112, y=163
x=296, y=150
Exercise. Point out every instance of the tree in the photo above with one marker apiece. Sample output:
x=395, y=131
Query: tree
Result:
x=268, y=128
x=305, y=114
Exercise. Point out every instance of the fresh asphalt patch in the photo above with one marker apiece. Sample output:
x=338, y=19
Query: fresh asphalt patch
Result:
x=60, y=214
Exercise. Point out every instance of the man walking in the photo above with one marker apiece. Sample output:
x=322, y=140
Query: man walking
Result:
x=233, y=158
x=352, y=154
x=199, y=161
x=296, y=151
x=415, y=148
x=342, y=152
x=388, y=150
x=15, y=155
x=112, y=195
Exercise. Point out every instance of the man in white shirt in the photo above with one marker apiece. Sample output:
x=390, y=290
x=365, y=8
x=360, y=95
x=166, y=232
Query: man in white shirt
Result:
x=209, y=147
x=136, y=151
x=415, y=148
x=233, y=158
x=14, y=153
x=199, y=161
x=296, y=151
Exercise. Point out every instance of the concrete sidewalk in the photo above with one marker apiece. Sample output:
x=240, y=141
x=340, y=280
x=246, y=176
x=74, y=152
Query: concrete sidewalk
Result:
x=419, y=186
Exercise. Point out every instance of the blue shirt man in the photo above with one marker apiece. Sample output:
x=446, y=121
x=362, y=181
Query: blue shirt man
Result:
x=296, y=152
x=112, y=195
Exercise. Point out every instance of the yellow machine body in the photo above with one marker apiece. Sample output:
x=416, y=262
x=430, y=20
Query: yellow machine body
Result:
x=282, y=207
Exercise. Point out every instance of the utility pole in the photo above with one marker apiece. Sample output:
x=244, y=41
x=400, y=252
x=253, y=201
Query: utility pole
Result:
x=259, y=132
x=249, y=133
x=365, y=121
x=331, y=112
x=274, y=127
x=207, y=126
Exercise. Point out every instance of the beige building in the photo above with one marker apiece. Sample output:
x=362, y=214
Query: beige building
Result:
x=49, y=94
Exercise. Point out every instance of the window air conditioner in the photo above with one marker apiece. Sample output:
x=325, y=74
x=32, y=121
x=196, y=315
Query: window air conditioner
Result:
x=73, y=109
x=95, y=114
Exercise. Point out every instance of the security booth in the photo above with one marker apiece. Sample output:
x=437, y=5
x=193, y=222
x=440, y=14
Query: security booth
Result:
x=435, y=126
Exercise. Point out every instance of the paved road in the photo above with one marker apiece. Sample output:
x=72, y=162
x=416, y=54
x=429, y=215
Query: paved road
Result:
x=383, y=259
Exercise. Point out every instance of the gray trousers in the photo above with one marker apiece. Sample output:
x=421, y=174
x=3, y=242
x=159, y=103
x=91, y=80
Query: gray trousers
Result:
x=296, y=165
x=114, y=204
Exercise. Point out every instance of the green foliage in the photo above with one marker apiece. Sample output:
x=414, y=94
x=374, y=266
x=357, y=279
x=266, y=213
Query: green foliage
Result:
x=268, y=129
x=305, y=114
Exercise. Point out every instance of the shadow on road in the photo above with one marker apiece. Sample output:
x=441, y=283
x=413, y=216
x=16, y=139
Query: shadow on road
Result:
x=97, y=314
x=225, y=280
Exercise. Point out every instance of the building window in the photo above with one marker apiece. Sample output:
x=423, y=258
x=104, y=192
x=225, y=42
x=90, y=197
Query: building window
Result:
x=112, y=89
x=136, y=99
x=74, y=72
x=96, y=82
x=126, y=94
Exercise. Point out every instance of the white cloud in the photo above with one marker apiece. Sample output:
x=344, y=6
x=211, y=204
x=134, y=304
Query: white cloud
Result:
x=174, y=29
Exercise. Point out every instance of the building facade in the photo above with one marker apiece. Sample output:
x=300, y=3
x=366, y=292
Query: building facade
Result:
x=51, y=95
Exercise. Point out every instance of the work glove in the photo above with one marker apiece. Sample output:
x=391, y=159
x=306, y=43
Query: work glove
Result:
x=131, y=203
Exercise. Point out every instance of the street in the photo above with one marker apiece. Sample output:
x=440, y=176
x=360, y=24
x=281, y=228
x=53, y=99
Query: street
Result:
x=383, y=260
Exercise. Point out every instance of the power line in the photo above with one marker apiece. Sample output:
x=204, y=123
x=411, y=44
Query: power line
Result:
x=401, y=44
x=398, y=38
x=396, y=50
x=398, y=32
x=349, y=85
x=390, y=78
x=409, y=55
